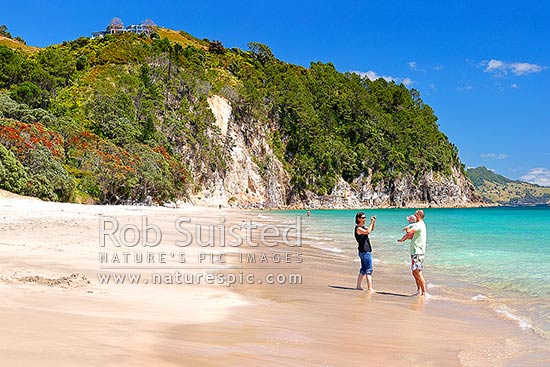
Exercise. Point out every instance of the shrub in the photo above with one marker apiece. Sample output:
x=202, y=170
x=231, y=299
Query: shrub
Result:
x=48, y=179
x=13, y=175
x=28, y=93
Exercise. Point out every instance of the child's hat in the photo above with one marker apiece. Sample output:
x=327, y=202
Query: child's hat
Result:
x=411, y=218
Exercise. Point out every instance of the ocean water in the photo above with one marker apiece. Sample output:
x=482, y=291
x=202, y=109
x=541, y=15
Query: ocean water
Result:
x=496, y=257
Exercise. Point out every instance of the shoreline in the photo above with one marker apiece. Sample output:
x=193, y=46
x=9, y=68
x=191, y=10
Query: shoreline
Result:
x=259, y=206
x=319, y=322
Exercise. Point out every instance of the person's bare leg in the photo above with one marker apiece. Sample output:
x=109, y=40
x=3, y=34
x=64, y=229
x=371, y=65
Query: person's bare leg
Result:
x=417, y=282
x=420, y=281
x=359, y=282
x=369, y=284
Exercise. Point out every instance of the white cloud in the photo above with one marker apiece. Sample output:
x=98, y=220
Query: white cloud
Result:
x=495, y=65
x=494, y=155
x=521, y=68
x=412, y=65
x=514, y=86
x=372, y=75
x=407, y=81
x=438, y=67
x=539, y=176
x=501, y=68
x=466, y=87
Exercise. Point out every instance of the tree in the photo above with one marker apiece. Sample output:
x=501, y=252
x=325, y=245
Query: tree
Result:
x=216, y=47
x=58, y=64
x=262, y=52
x=114, y=117
x=81, y=62
x=4, y=31
x=12, y=67
x=28, y=93
x=48, y=179
x=154, y=174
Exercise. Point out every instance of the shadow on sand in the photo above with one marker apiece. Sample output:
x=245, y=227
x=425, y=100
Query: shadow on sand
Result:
x=377, y=292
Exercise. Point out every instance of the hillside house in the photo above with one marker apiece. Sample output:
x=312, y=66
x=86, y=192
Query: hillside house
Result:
x=117, y=27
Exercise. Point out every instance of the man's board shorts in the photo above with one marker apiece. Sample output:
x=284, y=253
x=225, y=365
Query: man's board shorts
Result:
x=417, y=262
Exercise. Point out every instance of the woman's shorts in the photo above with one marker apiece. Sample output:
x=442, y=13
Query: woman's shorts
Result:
x=366, y=263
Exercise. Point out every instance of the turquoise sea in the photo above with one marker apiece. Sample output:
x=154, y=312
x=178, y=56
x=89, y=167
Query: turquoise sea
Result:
x=495, y=257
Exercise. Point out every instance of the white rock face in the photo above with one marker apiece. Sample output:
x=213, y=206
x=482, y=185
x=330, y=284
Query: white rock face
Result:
x=244, y=182
x=222, y=111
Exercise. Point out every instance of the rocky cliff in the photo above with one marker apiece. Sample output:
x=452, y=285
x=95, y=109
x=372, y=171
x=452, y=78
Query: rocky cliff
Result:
x=256, y=178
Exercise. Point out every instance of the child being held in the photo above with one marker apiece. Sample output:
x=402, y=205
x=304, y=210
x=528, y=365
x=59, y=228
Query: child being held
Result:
x=407, y=236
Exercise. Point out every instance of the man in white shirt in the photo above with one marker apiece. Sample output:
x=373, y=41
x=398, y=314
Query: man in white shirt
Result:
x=418, y=250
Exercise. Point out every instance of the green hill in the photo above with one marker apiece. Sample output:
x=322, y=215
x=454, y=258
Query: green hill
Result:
x=17, y=45
x=480, y=174
x=496, y=188
x=126, y=116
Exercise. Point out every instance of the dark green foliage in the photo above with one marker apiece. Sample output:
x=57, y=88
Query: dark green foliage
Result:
x=12, y=65
x=338, y=125
x=28, y=93
x=113, y=118
x=13, y=176
x=81, y=63
x=155, y=176
x=48, y=180
x=59, y=64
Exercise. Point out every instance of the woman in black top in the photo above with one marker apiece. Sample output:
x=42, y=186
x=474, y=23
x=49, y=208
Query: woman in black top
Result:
x=364, y=248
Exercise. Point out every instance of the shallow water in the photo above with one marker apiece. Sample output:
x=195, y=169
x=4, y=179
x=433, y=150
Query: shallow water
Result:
x=497, y=257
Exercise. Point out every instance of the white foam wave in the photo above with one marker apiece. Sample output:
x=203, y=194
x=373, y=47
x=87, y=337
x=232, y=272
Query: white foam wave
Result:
x=315, y=238
x=437, y=297
x=508, y=314
x=479, y=297
x=330, y=249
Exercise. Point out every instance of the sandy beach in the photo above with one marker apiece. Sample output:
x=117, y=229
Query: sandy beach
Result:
x=57, y=310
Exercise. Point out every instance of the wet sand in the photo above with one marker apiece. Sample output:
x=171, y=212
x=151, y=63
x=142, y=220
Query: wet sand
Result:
x=54, y=311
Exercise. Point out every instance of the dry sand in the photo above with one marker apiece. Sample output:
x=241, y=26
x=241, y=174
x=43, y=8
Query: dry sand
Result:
x=55, y=312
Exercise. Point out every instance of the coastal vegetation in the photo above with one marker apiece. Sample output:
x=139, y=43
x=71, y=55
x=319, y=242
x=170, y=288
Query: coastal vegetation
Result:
x=123, y=117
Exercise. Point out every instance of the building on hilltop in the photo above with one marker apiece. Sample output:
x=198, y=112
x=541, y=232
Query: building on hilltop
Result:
x=116, y=26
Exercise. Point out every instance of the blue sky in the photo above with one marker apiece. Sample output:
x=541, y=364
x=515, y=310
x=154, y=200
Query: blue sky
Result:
x=483, y=66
